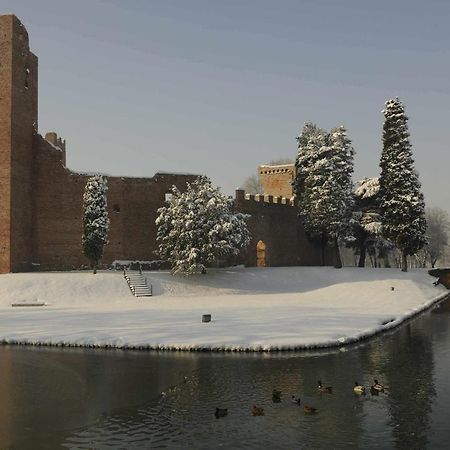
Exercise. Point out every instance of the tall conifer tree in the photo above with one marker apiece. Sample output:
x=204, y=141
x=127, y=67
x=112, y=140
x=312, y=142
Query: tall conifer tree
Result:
x=401, y=200
x=95, y=219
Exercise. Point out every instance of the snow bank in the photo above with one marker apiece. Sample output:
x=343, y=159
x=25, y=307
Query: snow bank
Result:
x=252, y=309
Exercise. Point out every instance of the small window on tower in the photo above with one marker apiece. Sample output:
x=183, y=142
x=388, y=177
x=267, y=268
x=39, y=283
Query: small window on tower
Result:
x=116, y=208
x=27, y=76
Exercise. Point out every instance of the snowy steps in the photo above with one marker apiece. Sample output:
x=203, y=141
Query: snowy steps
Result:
x=137, y=283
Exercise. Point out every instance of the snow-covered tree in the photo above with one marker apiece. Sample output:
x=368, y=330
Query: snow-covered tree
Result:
x=198, y=227
x=324, y=185
x=310, y=140
x=401, y=200
x=367, y=220
x=95, y=219
x=438, y=231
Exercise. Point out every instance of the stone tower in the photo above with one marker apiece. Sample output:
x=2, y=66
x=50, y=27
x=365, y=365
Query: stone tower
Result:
x=18, y=122
x=277, y=179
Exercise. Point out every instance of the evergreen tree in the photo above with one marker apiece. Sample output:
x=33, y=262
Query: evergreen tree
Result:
x=95, y=219
x=310, y=140
x=367, y=219
x=197, y=228
x=401, y=200
x=323, y=184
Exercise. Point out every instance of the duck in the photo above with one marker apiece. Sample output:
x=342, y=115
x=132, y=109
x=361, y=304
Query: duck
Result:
x=257, y=410
x=310, y=409
x=295, y=399
x=276, y=396
x=221, y=412
x=373, y=391
x=359, y=389
x=326, y=389
x=377, y=386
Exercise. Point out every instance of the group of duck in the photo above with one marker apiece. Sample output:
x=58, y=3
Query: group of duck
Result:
x=358, y=389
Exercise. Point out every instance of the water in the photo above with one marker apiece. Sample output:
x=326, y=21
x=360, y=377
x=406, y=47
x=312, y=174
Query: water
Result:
x=93, y=399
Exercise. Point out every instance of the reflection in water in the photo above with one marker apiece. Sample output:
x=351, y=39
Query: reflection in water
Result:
x=411, y=387
x=116, y=399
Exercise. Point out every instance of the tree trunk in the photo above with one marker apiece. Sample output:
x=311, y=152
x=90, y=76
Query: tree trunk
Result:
x=337, y=255
x=362, y=256
x=322, y=245
x=94, y=266
x=404, y=262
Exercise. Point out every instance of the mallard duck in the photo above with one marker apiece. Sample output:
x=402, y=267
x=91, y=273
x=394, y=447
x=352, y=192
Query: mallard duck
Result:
x=221, y=412
x=309, y=409
x=327, y=389
x=276, y=396
x=257, y=410
x=373, y=391
x=359, y=389
x=295, y=399
x=377, y=386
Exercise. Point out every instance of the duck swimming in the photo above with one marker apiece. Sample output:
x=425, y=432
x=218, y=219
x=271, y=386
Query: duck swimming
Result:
x=221, y=412
x=276, y=396
x=359, y=389
x=310, y=409
x=326, y=389
x=377, y=386
x=257, y=410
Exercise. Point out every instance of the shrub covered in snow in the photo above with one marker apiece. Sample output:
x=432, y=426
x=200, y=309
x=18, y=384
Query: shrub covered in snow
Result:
x=95, y=219
x=197, y=228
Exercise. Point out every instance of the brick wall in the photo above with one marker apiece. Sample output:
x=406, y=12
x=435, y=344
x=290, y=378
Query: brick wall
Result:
x=275, y=221
x=18, y=119
x=58, y=206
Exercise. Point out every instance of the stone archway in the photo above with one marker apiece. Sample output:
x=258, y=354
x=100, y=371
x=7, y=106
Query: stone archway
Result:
x=260, y=254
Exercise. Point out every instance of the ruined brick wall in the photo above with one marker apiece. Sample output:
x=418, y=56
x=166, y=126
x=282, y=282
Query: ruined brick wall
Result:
x=275, y=221
x=276, y=180
x=58, y=206
x=18, y=120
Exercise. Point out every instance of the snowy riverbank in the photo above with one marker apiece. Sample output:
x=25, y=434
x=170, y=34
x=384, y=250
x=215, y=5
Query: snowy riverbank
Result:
x=254, y=309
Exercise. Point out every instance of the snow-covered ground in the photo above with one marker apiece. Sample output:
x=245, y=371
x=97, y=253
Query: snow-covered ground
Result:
x=255, y=309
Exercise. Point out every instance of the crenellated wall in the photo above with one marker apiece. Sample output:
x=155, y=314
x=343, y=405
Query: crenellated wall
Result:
x=275, y=222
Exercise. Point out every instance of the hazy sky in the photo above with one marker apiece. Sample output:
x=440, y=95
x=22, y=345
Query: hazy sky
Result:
x=220, y=86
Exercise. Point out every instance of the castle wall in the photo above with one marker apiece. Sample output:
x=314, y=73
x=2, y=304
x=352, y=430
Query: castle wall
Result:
x=58, y=206
x=41, y=201
x=275, y=221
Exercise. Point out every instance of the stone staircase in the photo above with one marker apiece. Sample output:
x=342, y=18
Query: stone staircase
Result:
x=137, y=283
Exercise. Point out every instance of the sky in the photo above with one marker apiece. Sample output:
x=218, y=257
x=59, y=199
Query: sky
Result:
x=218, y=87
